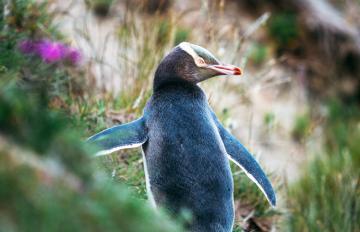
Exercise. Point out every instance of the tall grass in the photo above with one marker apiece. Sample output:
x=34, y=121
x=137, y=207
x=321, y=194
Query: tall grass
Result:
x=327, y=197
x=48, y=179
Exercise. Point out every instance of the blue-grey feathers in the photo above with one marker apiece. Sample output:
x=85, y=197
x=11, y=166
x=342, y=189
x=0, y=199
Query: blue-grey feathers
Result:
x=128, y=135
x=240, y=156
x=134, y=134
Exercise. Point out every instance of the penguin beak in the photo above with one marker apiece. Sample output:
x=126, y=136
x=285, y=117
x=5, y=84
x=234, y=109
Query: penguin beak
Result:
x=225, y=69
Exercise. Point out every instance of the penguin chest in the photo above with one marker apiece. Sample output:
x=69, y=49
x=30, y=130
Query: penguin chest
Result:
x=187, y=166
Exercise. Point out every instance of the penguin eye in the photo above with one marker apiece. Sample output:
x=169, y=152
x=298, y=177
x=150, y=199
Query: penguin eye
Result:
x=201, y=61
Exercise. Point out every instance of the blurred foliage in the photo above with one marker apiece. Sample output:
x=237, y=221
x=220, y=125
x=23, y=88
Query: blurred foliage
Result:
x=48, y=178
x=24, y=14
x=301, y=127
x=182, y=35
x=156, y=6
x=100, y=7
x=144, y=45
x=327, y=197
x=33, y=199
x=283, y=27
x=14, y=110
x=343, y=120
x=258, y=53
x=164, y=31
x=150, y=7
x=25, y=18
x=269, y=119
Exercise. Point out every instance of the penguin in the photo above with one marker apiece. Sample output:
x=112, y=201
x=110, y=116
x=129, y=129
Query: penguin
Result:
x=186, y=150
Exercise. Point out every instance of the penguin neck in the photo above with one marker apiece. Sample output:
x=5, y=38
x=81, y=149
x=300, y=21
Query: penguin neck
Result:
x=168, y=81
x=178, y=86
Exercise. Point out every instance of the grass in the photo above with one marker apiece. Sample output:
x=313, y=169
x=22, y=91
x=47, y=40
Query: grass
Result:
x=50, y=178
x=49, y=181
x=326, y=198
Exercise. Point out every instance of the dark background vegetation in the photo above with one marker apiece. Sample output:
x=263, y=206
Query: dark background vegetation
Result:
x=301, y=60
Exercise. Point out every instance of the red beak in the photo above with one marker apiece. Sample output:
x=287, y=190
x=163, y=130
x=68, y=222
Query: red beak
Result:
x=226, y=69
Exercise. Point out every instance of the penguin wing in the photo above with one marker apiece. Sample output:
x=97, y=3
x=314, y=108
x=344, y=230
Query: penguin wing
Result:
x=128, y=135
x=241, y=157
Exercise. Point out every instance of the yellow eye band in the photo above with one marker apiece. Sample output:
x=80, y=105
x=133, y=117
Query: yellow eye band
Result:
x=185, y=46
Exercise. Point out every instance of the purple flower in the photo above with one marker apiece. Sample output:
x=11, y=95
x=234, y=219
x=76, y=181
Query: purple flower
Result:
x=27, y=47
x=73, y=56
x=51, y=52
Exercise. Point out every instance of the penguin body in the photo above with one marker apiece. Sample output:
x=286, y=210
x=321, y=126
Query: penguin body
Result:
x=186, y=150
x=186, y=158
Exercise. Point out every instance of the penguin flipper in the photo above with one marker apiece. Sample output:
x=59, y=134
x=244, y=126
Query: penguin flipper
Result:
x=241, y=157
x=128, y=135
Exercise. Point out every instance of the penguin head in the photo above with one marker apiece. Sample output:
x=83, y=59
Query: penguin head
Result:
x=191, y=63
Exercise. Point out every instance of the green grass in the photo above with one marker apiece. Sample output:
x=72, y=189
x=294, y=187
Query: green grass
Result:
x=49, y=180
x=71, y=197
x=327, y=197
